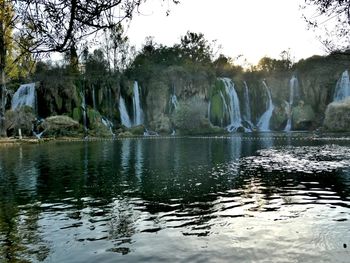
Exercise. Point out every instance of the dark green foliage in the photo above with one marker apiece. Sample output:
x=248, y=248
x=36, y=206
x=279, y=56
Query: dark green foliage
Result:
x=224, y=67
x=193, y=54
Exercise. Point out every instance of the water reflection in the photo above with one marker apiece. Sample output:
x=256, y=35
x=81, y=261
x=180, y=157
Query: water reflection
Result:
x=246, y=197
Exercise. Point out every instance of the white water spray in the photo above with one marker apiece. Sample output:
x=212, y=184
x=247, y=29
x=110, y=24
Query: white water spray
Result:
x=247, y=116
x=124, y=116
x=138, y=113
x=232, y=106
x=293, y=93
x=342, y=89
x=24, y=96
x=264, y=121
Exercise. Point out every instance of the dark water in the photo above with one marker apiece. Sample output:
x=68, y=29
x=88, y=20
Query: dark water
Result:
x=239, y=199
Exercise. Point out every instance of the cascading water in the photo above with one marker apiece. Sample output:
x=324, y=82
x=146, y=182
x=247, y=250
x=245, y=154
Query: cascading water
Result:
x=247, y=116
x=342, y=89
x=174, y=104
x=24, y=96
x=124, y=116
x=209, y=108
x=138, y=113
x=264, y=121
x=83, y=107
x=108, y=124
x=293, y=93
x=93, y=98
x=232, y=105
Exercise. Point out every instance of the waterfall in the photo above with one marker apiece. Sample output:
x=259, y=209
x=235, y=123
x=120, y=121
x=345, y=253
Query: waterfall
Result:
x=293, y=93
x=138, y=114
x=247, y=112
x=24, y=96
x=232, y=106
x=83, y=107
x=108, y=124
x=93, y=98
x=342, y=89
x=209, y=105
x=288, y=110
x=173, y=101
x=124, y=116
x=264, y=121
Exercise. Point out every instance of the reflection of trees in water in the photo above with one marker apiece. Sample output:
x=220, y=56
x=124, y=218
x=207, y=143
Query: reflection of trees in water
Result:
x=142, y=185
x=20, y=237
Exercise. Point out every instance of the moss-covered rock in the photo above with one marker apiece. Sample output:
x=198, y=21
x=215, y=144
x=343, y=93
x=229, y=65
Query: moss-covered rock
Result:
x=61, y=125
x=161, y=124
x=77, y=114
x=21, y=118
x=279, y=118
x=137, y=130
x=216, y=110
x=190, y=114
x=125, y=134
x=303, y=117
x=96, y=125
x=337, y=116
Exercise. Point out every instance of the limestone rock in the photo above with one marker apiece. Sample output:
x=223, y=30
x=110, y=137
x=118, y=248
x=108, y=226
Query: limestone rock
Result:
x=60, y=125
x=337, y=116
x=137, y=130
x=21, y=118
x=279, y=118
x=303, y=117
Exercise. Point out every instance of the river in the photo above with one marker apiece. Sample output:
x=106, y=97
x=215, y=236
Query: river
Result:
x=271, y=197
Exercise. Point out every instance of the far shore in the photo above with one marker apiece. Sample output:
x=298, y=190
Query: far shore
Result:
x=8, y=141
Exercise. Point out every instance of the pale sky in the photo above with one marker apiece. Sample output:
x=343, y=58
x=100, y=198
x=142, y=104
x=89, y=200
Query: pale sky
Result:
x=253, y=28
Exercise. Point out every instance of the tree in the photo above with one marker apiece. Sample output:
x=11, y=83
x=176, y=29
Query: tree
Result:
x=270, y=65
x=224, y=66
x=196, y=47
x=333, y=18
x=54, y=25
x=6, y=27
x=116, y=48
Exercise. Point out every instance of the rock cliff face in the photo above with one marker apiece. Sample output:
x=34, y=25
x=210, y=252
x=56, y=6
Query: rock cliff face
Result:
x=337, y=117
x=166, y=88
x=167, y=97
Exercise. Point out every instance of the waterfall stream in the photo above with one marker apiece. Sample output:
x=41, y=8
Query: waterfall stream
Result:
x=24, y=96
x=83, y=107
x=264, y=121
x=174, y=103
x=342, y=89
x=138, y=113
x=293, y=93
x=124, y=116
x=247, y=116
x=232, y=106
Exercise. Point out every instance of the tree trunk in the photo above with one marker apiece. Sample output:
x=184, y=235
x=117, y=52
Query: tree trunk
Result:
x=3, y=104
x=3, y=78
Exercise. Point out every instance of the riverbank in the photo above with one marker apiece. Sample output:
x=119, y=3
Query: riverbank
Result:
x=279, y=136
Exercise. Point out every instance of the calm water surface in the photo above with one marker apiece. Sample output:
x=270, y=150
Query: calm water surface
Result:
x=270, y=198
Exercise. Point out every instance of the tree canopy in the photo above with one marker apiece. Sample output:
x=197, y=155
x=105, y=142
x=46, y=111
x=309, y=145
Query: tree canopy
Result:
x=333, y=18
x=56, y=25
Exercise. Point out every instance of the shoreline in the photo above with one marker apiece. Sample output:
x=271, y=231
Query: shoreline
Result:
x=251, y=136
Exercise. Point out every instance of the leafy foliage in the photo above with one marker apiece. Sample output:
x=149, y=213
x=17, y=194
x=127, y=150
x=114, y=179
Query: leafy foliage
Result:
x=57, y=25
x=333, y=18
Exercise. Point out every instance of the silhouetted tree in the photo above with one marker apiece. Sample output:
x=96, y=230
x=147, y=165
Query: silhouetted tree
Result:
x=333, y=18
x=54, y=25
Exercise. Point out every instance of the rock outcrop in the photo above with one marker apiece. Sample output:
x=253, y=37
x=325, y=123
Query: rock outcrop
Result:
x=60, y=125
x=337, y=116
